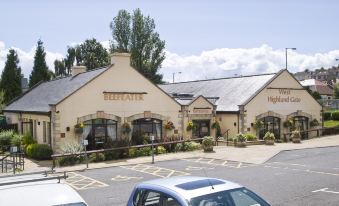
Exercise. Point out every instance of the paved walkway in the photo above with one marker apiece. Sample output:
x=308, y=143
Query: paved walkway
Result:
x=256, y=154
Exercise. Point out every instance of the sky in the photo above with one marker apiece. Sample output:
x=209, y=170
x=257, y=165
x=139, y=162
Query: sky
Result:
x=204, y=39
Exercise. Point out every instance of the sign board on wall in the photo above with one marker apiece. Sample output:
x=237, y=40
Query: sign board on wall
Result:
x=206, y=110
x=124, y=96
x=284, y=96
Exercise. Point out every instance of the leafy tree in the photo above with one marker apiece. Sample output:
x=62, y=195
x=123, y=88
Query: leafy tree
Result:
x=40, y=70
x=136, y=34
x=316, y=95
x=10, y=83
x=336, y=91
x=2, y=100
x=60, y=68
x=91, y=54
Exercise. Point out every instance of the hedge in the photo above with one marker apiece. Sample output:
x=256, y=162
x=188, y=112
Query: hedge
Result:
x=327, y=116
x=39, y=151
x=335, y=115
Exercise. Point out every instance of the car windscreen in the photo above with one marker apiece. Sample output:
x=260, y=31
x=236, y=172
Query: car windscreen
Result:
x=73, y=204
x=235, y=197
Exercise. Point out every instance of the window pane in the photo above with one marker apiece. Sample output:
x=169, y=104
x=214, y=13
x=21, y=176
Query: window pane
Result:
x=99, y=121
x=243, y=198
x=170, y=202
x=153, y=199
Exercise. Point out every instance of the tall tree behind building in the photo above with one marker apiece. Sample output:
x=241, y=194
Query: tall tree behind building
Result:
x=91, y=54
x=136, y=34
x=40, y=70
x=11, y=75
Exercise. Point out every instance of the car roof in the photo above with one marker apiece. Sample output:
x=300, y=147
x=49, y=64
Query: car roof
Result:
x=47, y=192
x=190, y=186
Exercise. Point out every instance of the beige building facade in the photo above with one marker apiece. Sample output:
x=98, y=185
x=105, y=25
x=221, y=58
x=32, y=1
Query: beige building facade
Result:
x=117, y=103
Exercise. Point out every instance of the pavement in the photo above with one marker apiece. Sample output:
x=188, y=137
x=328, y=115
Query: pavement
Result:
x=254, y=154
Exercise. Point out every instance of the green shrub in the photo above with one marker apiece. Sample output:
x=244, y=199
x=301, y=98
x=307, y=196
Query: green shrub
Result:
x=5, y=140
x=132, y=152
x=250, y=137
x=335, y=115
x=161, y=150
x=314, y=123
x=16, y=140
x=269, y=136
x=191, y=146
x=96, y=157
x=112, y=155
x=39, y=151
x=67, y=161
x=144, y=151
x=27, y=139
x=327, y=116
x=178, y=147
x=240, y=138
x=208, y=141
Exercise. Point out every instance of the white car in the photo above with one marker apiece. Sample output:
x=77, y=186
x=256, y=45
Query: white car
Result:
x=37, y=190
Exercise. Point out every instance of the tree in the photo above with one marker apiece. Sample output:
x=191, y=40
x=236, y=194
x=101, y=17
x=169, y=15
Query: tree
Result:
x=60, y=68
x=91, y=54
x=40, y=70
x=2, y=100
x=336, y=91
x=10, y=83
x=316, y=95
x=136, y=34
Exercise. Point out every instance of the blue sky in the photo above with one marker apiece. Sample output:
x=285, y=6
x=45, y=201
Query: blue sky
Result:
x=189, y=28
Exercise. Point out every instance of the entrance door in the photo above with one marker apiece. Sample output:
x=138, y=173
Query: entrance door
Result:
x=201, y=128
x=301, y=123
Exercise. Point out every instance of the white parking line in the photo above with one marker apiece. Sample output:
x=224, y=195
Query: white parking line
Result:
x=326, y=190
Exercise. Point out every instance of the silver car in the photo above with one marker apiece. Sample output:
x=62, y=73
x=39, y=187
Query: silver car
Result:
x=193, y=191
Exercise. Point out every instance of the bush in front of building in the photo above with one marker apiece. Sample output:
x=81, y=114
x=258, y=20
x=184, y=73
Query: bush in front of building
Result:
x=161, y=150
x=144, y=151
x=251, y=137
x=71, y=147
x=16, y=140
x=39, y=151
x=327, y=116
x=335, y=115
x=97, y=157
x=5, y=140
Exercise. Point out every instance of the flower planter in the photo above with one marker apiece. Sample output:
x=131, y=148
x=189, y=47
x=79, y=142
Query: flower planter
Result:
x=269, y=142
x=296, y=140
x=240, y=144
x=208, y=148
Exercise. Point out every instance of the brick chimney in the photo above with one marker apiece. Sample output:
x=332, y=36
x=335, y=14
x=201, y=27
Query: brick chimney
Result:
x=120, y=59
x=78, y=70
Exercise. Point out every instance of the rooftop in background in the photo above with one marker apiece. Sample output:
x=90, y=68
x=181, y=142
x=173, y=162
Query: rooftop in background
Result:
x=318, y=86
x=226, y=93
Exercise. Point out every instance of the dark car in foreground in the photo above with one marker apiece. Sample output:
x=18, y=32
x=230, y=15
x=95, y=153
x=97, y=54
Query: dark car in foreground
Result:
x=193, y=191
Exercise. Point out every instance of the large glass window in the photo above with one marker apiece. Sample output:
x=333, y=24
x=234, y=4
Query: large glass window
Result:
x=147, y=127
x=271, y=124
x=301, y=123
x=201, y=128
x=99, y=131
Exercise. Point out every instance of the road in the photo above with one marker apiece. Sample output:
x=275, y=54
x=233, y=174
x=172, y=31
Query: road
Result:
x=299, y=177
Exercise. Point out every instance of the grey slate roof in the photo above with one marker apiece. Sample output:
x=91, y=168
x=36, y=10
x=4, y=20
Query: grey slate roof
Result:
x=38, y=98
x=231, y=91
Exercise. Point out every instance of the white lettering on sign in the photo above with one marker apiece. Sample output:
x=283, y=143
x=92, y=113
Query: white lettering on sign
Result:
x=123, y=97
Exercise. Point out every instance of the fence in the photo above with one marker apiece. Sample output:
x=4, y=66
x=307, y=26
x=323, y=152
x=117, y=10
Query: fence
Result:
x=86, y=153
x=320, y=132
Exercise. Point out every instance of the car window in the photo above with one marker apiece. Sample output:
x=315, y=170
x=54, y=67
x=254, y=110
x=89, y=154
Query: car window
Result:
x=169, y=201
x=243, y=198
x=152, y=199
x=137, y=196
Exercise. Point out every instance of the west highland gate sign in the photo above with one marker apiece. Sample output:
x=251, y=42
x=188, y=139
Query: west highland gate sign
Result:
x=283, y=97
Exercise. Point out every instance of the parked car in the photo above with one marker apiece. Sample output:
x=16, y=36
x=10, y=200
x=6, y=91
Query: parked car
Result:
x=37, y=190
x=193, y=191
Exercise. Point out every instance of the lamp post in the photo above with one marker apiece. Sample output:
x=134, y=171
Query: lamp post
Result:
x=174, y=74
x=286, y=53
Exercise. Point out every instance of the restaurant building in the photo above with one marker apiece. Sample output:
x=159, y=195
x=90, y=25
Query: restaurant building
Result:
x=107, y=99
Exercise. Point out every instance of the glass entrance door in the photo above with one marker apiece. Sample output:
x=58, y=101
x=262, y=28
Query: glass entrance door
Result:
x=301, y=124
x=201, y=128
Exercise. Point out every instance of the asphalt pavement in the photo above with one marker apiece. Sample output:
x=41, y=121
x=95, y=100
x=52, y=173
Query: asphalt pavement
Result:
x=299, y=177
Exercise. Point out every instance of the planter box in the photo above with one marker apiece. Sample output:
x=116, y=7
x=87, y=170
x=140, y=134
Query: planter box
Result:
x=208, y=148
x=240, y=144
x=296, y=140
x=269, y=142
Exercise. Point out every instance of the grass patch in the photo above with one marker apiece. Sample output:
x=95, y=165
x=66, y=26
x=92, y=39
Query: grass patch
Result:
x=331, y=123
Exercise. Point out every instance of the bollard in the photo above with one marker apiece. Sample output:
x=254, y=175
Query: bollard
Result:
x=152, y=141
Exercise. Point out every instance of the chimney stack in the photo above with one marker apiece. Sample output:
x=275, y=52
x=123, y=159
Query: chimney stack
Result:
x=78, y=70
x=121, y=59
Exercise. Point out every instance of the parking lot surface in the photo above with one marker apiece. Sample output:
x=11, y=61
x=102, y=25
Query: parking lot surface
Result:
x=300, y=177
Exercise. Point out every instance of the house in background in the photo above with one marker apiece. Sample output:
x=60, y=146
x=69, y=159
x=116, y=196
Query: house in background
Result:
x=325, y=91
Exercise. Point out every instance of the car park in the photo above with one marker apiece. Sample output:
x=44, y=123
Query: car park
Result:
x=38, y=189
x=193, y=191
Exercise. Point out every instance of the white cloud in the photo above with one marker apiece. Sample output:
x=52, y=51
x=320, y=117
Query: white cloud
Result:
x=27, y=58
x=215, y=63
x=226, y=62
